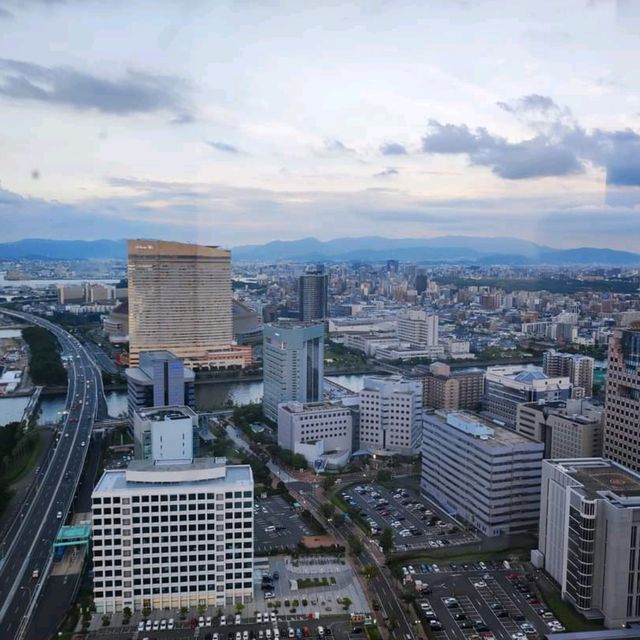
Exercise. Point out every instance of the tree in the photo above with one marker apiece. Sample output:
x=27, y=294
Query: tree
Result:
x=146, y=612
x=355, y=544
x=383, y=476
x=126, y=612
x=370, y=571
x=183, y=612
x=239, y=607
x=346, y=603
x=386, y=540
x=327, y=483
x=201, y=609
x=328, y=510
x=298, y=461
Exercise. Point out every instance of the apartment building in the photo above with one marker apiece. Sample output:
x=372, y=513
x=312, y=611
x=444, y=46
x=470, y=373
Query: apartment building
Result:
x=578, y=368
x=417, y=327
x=622, y=403
x=589, y=537
x=452, y=390
x=167, y=536
x=321, y=431
x=390, y=415
x=487, y=475
x=568, y=428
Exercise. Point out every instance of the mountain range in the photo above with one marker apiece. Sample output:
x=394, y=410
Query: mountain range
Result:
x=462, y=249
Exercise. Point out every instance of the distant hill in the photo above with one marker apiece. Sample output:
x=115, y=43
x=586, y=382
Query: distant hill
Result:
x=462, y=249
x=64, y=249
x=499, y=250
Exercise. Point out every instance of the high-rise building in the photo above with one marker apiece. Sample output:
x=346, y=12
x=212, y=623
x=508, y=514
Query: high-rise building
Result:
x=452, y=390
x=167, y=536
x=293, y=364
x=622, y=400
x=390, y=415
x=575, y=366
x=160, y=380
x=589, y=537
x=164, y=433
x=568, y=428
x=422, y=280
x=320, y=431
x=313, y=294
x=417, y=327
x=180, y=301
x=485, y=474
x=506, y=387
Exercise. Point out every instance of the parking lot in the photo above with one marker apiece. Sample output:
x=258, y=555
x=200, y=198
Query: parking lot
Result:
x=277, y=525
x=416, y=523
x=338, y=629
x=496, y=604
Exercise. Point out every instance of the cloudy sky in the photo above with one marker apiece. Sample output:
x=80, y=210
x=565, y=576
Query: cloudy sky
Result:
x=247, y=121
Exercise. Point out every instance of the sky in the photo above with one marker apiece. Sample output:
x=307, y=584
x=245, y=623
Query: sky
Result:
x=248, y=121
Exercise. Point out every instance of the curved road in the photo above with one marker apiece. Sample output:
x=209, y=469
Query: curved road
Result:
x=31, y=548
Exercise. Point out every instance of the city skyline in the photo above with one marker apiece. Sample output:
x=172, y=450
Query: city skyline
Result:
x=236, y=125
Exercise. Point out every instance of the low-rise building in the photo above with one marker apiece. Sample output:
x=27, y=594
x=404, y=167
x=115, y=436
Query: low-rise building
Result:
x=589, y=536
x=485, y=474
x=568, y=428
x=320, y=431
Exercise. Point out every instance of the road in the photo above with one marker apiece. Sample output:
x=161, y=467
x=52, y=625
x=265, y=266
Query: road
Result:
x=31, y=548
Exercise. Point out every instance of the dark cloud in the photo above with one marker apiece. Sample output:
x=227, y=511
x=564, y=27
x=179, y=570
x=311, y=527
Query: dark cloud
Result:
x=393, y=149
x=5, y=14
x=134, y=93
x=387, y=173
x=559, y=147
x=223, y=146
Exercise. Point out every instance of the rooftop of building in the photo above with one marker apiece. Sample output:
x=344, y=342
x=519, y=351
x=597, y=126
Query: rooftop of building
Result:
x=480, y=428
x=300, y=407
x=170, y=248
x=294, y=324
x=140, y=375
x=161, y=414
x=525, y=375
x=580, y=411
x=150, y=475
x=602, y=478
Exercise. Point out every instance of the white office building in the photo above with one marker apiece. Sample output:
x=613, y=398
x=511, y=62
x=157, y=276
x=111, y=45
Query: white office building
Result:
x=390, y=415
x=164, y=433
x=485, y=474
x=589, y=536
x=320, y=431
x=172, y=535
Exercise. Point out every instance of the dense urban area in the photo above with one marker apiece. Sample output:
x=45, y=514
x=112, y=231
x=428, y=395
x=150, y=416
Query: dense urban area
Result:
x=434, y=450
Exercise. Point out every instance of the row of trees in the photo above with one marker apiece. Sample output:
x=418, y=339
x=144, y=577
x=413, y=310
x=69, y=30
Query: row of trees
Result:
x=15, y=446
x=45, y=366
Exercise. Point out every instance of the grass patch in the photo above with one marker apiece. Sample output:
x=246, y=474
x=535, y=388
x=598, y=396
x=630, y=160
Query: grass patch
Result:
x=372, y=631
x=565, y=613
x=20, y=465
x=351, y=512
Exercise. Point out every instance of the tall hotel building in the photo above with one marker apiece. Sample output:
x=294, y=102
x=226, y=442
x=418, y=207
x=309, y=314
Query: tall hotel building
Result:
x=171, y=535
x=180, y=301
x=622, y=403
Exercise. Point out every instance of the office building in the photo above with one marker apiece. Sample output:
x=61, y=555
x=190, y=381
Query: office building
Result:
x=589, y=537
x=293, y=364
x=507, y=387
x=313, y=295
x=485, y=474
x=390, y=415
x=167, y=536
x=160, y=380
x=452, y=390
x=568, y=428
x=416, y=327
x=164, y=433
x=321, y=431
x=622, y=403
x=180, y=301
x=116, y=324
x=578, y=368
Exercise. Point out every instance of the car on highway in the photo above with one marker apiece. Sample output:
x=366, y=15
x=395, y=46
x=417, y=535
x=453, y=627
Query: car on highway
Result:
x=59, y=515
